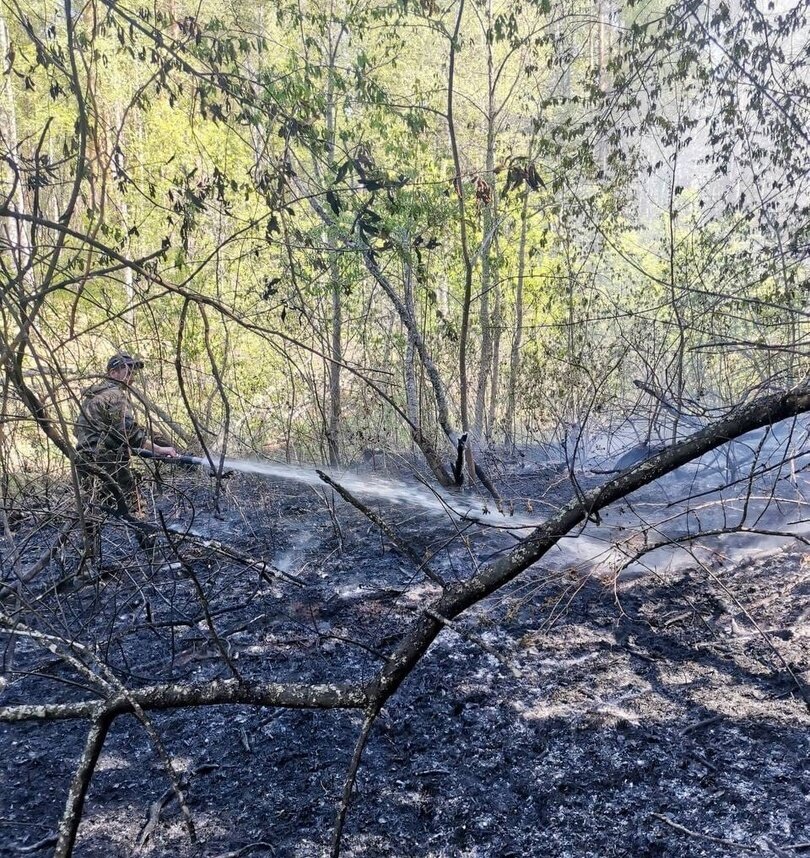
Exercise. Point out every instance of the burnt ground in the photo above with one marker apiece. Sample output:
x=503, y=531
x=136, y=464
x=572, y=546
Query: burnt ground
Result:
x=644, y=717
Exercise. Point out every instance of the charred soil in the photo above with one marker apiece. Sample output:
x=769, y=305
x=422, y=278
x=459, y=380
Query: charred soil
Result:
x=573, y=714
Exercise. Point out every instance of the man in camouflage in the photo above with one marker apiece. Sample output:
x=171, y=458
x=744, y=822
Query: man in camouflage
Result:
x=106, y=433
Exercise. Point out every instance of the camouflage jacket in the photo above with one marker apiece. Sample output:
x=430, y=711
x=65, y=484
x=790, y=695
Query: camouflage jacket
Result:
x=106, y=423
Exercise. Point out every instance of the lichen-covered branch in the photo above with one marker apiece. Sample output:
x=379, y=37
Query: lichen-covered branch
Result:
x=216, y=693
x=69, y=824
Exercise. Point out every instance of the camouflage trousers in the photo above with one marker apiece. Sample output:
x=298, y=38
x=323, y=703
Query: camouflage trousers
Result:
x=108, y=487
x=107, y=482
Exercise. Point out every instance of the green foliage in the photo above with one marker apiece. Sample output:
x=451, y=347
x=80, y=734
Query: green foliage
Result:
x=258, y=160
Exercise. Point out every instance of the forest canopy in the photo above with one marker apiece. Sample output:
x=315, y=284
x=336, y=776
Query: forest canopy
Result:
x=329, y=229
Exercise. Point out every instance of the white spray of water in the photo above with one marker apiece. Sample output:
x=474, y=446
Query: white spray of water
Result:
x=591, y=547
x=389, y=491
x=575, y=549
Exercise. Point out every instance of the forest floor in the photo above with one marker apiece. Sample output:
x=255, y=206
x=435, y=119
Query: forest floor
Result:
x=643, y=716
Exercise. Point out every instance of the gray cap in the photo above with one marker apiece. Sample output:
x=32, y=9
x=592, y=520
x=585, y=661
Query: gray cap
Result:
x=120, y=359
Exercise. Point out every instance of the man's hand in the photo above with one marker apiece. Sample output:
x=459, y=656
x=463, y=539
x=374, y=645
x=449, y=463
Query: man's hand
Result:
x=169, y=452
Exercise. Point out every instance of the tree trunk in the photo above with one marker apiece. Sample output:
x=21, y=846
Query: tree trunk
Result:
x=333, y=429
x=517, y=337
x=489, y=223
x=466, y=301
x=18, y=233
x=336, y=355
x=497, y=331
x=432, y=457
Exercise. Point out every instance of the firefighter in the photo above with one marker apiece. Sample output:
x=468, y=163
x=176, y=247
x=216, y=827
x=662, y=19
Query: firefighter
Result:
x=106, y=433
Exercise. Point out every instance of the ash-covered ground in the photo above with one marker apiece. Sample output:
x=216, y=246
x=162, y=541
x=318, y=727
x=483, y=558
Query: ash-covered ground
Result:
x=579, y=712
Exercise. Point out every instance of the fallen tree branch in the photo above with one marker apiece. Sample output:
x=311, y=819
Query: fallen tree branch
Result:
x=69, y=824
x=216, y=693
x=735, y=844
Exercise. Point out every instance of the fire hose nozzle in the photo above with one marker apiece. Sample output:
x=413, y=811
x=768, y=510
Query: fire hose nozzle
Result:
x=188, y=461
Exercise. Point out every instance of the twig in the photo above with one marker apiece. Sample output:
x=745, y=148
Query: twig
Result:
x=50, y=840
x=794, y=675
x=351, y=775
x=365, y=647
x=784, y=632
x=704, y=723
x=202, y=599
x=733, y=843
x=703, y=761
x=264, y=568
x=238, y=853
x=243, y=738
x=177, y=786
x=474, y=639
x=25, y=577
x=157, y=807
x=386, y=528
x=155, y=810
